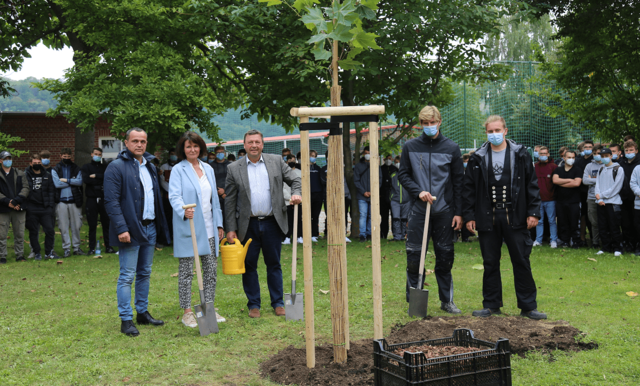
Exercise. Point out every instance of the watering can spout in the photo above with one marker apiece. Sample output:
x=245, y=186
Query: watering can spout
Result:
x=246, y=247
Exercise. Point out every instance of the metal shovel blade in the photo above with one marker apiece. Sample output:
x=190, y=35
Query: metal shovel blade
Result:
x=418, y=301
x=293, y=308
x=203, y=325
x=210, y=316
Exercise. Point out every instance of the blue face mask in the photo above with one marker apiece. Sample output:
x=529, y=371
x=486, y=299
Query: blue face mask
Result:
x=96, y=158
x=495, y=138
x=7, y=163
x=597, y=158
x=240, y=157
x=544, y=158
x=430, y=130
x=46, y=161
x=630, y=155
x=535, y=154
x=582, y=154
x=211, y=160
x=587, y=152
x=173, y=158
x=465, y=164
x=606, y=160
x=204, y=159
x=220, y=156
x=614, y=157
x=312, y=159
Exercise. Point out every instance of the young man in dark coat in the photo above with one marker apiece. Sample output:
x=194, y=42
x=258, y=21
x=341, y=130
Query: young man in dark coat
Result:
x=502, y=202
x=431, y=166
x=14, y=191
x=93, y=178
x=40, y=206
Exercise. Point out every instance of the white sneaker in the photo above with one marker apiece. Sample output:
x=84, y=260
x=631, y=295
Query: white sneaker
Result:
x=31, y=255
x=286, y=241
x=554, y=244
x=537, y=244
x=300, y=241
x=314, y=239
x=220, y=318
x=616, y=254
x=347, y=239
x=600, y=253
x=189, y=320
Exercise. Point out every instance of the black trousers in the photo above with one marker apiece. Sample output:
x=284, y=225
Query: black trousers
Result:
x=290, y=221
x=36, y=216
x=385, y=212
x=441, y=232
x=628, y=224
x=168, y=214
x=636, y=221
x=95, y=208
x=568, y=215
x=584, y=215
x=609, y=217
x=519, y=244
x=316, y=208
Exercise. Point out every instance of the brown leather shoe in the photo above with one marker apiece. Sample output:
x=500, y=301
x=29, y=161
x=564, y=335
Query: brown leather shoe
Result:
x=254, y=313
x=280, y=311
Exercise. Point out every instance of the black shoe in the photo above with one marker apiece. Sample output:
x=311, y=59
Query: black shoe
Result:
x=109, y=250
x=67, y=253
x=450, y=307
x=637, y=252
x=595, y=246
x=533, y=314
x=91, y=252
x=363, y=239
x=78, y=252
x=128, y=328
x=3, y=261
x=486, y=312
x=369, y=238
x=146, y=318
x=38, y=257
x=51, y=256
x=21, y=258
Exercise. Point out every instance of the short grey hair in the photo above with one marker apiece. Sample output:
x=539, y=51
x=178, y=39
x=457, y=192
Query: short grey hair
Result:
x=253, y=132
x=139, y=130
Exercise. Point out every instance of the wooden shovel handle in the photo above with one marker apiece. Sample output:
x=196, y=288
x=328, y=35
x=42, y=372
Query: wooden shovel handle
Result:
x=196, y=256
x=294, y=264
x=423, y=251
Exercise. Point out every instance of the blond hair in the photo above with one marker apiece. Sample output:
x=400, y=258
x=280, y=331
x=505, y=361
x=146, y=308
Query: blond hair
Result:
x=495, y=118
x=428, y=113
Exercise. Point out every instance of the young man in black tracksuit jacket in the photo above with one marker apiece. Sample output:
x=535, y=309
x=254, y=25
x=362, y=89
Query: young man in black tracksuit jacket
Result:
x=628, y=163
x=431, y=166
x=502, y=202
x=93, y=178
x=40, y=206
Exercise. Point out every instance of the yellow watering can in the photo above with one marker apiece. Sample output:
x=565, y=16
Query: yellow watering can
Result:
x=233, y=257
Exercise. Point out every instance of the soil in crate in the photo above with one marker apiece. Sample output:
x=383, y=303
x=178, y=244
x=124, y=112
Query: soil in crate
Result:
x=435, y=351
x=289, y=366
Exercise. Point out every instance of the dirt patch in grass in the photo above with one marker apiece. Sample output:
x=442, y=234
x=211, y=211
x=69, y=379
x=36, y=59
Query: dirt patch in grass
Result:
x=289, y=366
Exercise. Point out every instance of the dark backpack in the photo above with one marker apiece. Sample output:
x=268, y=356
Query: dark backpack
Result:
x=615, y=171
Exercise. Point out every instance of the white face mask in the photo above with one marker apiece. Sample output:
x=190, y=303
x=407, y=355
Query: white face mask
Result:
x=570, y=161
x=398, y=165
x=388, y=162
x=367, y=157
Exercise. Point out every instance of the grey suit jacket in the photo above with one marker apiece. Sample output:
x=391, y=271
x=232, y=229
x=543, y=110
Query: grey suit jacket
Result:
x=237, y=205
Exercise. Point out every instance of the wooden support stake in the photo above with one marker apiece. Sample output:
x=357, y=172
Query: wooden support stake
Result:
x=336, y=110
x=310, y=335
x=374, y=169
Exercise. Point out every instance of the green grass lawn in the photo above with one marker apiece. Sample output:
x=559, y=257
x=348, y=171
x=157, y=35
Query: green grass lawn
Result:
x=59, y=323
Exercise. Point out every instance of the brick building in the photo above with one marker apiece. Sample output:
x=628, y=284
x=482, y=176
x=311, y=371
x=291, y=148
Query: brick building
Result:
x=41, y=132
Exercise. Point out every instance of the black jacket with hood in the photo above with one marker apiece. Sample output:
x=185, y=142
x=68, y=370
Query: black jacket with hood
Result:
x=525, y=194
x=48, y=189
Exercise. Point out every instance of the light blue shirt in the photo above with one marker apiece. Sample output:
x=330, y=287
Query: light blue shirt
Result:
x=148, y=212
x=260, y=188
x=65, y=187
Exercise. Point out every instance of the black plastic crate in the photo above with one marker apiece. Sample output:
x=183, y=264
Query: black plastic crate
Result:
x=491, y=366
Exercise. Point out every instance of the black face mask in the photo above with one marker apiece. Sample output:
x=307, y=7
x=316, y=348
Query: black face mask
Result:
x=67, y=161
x=291, y=164
x=37, y=167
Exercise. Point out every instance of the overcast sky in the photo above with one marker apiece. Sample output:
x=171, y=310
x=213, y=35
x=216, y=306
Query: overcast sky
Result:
x=44, y=63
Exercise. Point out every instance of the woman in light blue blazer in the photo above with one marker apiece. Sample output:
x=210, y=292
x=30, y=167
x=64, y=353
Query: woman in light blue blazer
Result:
x=193, y=182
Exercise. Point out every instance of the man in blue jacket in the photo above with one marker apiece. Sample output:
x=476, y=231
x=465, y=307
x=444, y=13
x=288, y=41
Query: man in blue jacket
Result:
x=431, y=166
x=133, y=203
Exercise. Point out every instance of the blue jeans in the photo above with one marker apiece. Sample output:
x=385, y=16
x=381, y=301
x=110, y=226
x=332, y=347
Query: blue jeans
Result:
x=365, y=217
x=548, y=208
x=136, y=261
x=265, y=235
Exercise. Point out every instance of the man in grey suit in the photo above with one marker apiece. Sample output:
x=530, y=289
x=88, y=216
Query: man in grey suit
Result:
x=254, y=209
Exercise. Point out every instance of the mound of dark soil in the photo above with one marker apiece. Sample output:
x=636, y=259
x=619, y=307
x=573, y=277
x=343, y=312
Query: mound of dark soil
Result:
x=289, y=366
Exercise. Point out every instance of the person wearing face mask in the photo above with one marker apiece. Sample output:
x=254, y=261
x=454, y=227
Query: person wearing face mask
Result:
x=589, y=177
x=286, y=191
x=362, y=180
x=45, y=157
x=544, y=171
x=220, y=171
x=616, y=152
x=241, y=154
x=14, y=191
x=608, y=186
x=431, y=166
x=39, y=206
x=93, y=178
x=317, y=194
x=560, y=160
x=581, y=163
x=397, y=162
x=165, y=170
x=387, y=169
x=536, y=152
x=568, y=180
x=628, y=162
x=501, y=202
x=67, y=178
x=285, y=152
